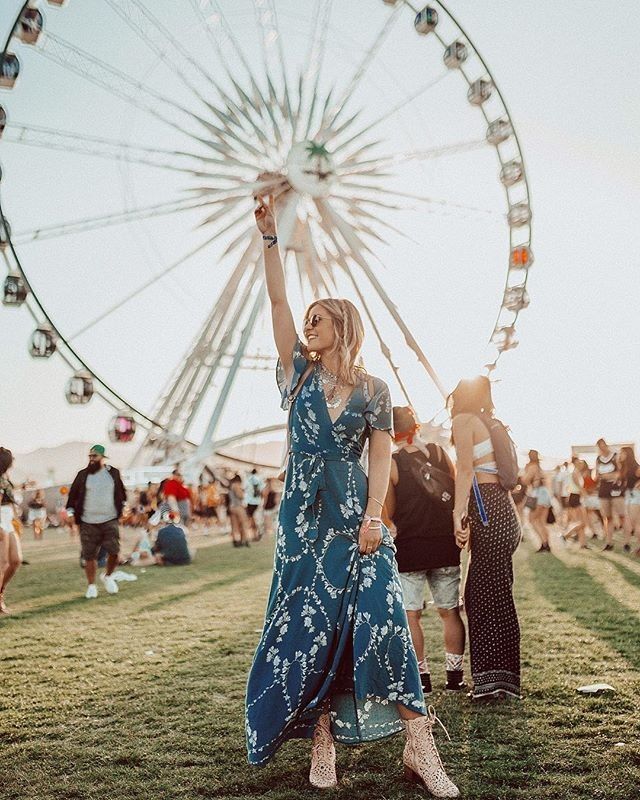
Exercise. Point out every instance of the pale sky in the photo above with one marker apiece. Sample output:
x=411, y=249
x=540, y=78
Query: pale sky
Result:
x=569, y=75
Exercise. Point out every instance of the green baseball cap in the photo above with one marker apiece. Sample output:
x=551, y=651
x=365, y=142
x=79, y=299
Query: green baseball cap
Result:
x=98, y=450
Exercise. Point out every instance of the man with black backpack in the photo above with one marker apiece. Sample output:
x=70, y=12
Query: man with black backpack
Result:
x=419, y=505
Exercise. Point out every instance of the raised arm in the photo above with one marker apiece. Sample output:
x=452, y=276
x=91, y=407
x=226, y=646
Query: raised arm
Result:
x=284, y=331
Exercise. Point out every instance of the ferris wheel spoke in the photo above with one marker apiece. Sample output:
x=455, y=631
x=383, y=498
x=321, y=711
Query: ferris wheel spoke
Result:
x=105, y=76
x=356, y=210
x=246, y=103
x=229, y=226
x=356, y=249
x=310, y=75
x=267, y=36
x=384, y=347
x=398, y=107
x=340, y=257
x=103, y=221
x=353, y=165
x=49, y=138
x=244, y=236
x=320, y=268
x=155, y=36
x=221, y=213
x=243, y=118
x=143, y=287
x=222, y=138
x=361, y=70
x=419, y=198
x=275, y=31
x=22, y=133
x=258, y=97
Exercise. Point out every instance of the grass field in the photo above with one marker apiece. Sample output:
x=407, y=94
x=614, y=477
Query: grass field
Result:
x=140, y=695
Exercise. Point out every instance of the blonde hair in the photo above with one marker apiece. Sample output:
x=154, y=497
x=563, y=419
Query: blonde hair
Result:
x=348, y=339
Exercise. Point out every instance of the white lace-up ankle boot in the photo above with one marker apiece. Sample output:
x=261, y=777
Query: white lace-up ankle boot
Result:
x=322, y=774
x=421, y=759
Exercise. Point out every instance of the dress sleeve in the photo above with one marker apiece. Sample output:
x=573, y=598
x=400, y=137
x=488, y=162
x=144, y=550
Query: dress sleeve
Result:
x=299, y=366
x=379, y=410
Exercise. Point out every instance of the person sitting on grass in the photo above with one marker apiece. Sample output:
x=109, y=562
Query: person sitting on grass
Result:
x=171, y=548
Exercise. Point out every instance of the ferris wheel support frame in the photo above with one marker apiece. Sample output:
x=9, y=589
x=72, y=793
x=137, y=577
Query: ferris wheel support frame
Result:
x=205, y=448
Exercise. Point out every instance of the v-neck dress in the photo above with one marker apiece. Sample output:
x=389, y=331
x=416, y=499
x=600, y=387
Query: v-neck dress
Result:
x=335, y=633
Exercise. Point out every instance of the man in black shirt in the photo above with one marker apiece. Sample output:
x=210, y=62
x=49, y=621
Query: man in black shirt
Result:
x=426, y=546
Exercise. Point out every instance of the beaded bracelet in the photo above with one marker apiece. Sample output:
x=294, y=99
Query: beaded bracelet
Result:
x=271, y=239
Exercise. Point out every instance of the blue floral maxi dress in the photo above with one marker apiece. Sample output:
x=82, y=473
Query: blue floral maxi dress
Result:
x=335, y=633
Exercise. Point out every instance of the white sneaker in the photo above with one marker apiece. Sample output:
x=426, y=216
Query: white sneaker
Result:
x=92, y=591
x=109, y=584
x=121, y=575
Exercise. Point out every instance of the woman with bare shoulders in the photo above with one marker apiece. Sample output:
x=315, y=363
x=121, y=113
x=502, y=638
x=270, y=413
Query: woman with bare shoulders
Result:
x=630, y=475
x=335, y=660
x=486, y=522
x=10, y=550
x=538, y=500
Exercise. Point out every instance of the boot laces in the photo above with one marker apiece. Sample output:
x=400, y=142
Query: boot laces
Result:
x=431, y=712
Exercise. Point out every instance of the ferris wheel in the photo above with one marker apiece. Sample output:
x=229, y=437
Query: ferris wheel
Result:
x=133, y=134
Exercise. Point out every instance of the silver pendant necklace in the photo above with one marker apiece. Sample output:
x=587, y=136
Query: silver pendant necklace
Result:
x=331, y=386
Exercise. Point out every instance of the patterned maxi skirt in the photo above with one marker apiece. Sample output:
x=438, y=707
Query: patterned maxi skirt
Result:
x=494, y=632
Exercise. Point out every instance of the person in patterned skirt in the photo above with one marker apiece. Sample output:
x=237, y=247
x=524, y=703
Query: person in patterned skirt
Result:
x=492, y=533
x=335, y=660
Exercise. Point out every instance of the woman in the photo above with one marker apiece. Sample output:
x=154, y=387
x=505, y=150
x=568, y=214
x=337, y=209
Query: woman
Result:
x=494, y=632
x=630, y=474
x=335, y=658
x=37, y=513
x=270, y=501
x=538, y=500
x=237, y=513
x=576, y=512
x=10, y=550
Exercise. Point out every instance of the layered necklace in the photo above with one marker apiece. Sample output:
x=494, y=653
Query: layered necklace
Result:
x=331, y=386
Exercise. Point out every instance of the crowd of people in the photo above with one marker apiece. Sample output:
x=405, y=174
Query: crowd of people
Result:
x=585, y=502
x=97, y=506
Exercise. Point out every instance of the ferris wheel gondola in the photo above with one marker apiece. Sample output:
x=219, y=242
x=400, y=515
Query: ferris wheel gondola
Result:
x=224, y=127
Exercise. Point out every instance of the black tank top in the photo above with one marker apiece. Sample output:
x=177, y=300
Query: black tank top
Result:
x=425, y=537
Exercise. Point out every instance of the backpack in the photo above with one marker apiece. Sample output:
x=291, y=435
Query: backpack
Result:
x=504, y=451
x=437, y=483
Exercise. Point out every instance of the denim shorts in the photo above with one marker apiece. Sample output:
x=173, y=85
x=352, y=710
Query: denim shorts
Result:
x=444, y=583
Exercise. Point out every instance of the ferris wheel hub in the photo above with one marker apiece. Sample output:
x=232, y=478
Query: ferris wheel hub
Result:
x=311, y=169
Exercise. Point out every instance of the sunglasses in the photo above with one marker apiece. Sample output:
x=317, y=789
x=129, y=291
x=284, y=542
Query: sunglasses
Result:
x=313, y=320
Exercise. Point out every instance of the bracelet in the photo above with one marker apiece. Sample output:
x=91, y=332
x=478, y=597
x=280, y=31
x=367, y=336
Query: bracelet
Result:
x=375, y=500
x=271, y=239
x=367, y=518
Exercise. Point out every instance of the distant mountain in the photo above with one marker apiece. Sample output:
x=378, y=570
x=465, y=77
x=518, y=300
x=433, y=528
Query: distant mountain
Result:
x=57, y=465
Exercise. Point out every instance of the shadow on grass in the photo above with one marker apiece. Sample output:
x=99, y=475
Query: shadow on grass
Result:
x=182, y=583
x=629, y=575
x=573, y=591
x=225, y=580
